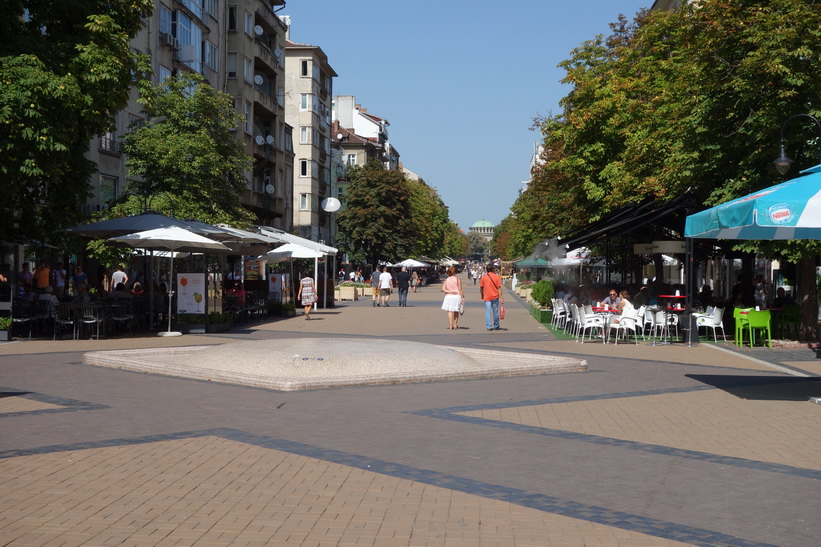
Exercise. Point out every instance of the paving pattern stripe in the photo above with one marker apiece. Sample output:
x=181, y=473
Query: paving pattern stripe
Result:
x=66, y=405
x=542, y=502
x=455, y=414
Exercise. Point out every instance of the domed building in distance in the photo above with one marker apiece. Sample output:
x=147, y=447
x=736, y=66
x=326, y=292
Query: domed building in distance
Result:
x=484, y=228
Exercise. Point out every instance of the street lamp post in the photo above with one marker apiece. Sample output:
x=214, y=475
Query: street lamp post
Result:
x=783, y=161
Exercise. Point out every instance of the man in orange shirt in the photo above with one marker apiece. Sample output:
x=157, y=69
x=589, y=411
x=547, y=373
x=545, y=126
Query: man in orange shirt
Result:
x=490, y=287
x=42, y=277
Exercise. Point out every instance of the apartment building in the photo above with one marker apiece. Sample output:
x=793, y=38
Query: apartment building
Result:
x=309, y=88
x=355, y=120
x=255, y=71
x=239, y=47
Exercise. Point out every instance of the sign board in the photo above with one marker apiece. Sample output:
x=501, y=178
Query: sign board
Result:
x=191, y=293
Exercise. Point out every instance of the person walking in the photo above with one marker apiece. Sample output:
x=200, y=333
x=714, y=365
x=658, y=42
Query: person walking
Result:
x=415, y=280
x=454, y=298
x=307, y=293
x=490, y=288
x=403, y=284
x=385, y=286
x=375, y=285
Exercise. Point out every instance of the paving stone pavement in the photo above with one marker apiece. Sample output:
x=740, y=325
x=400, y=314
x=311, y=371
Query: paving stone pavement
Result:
x=664, y=445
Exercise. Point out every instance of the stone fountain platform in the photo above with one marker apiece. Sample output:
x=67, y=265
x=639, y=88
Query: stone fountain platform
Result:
x=297, y=364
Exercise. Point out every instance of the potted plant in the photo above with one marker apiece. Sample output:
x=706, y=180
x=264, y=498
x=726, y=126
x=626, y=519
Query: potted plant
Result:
x=541, y=294
x=218, y=322
x=191, y=323
x=288, y=309
x=5, y=328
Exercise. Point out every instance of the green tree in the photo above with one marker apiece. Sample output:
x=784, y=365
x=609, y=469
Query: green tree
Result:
x=683, y=102
x=429, y=220
x=187, y=150
x=456, y=243
x=376, y=222
x=65, y=68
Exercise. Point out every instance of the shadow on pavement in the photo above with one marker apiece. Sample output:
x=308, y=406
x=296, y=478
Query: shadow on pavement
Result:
x=763, y=388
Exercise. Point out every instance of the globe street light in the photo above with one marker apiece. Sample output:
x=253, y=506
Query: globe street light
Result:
x=783, y=162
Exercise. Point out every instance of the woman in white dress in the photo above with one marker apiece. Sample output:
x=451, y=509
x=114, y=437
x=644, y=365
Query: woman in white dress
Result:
x=454, y=298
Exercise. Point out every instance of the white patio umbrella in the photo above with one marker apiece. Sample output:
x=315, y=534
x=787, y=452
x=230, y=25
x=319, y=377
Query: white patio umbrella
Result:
x=294, y=250
x=174, y=239
x=411, y=263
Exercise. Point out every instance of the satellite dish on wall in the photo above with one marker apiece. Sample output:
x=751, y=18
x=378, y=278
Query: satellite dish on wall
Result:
x=331, y=205
x=270, y=140
x=269, y=188
x=258, y=79
x=277, y=53
x=258, y=30
x=339, y=136
x=259, y=140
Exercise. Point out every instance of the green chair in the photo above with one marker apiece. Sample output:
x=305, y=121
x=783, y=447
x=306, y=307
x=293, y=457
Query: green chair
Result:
x=791, y=316
x=758, y=321
x=740, y=324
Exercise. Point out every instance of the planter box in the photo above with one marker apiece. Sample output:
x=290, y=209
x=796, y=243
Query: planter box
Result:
x=217, y=327
x=191, y=329
x=347, y=293
x=525, y=293
x=542, y=316
x=4, y=336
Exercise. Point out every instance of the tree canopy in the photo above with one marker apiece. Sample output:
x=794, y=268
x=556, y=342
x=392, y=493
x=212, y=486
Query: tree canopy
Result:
x=188, y=151
x=388, y=216
x=687, y=101
x=66, y=68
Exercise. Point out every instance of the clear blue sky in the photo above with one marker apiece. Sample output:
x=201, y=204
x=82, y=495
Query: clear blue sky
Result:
x=459, y=81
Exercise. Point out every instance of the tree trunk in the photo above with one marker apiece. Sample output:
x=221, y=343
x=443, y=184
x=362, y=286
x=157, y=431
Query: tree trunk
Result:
x=809, y=303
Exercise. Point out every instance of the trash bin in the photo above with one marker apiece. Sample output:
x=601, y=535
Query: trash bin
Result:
x=690, y=329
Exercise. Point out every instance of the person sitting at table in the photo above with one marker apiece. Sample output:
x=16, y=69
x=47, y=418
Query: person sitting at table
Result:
x=48, y=296
x=612, y=300
x=137, y=289
x=120, y=292
x=81, y=295
x=782, y=298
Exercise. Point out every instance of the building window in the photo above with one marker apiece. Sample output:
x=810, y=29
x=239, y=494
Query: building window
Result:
x=211, y=55
x=248, y=26
x=163, y=73
x=211, y=7
x=304, y=168
x=288, y=140
x=304, y=101
x=231, y=61
x=247, y=70
x=350, y=159
x=108, y=189
x=247, y=114
x=165, y=20
x=304, y=135
x=232, y=18
x=304, y=202
x=305, y=67
x=108, y=142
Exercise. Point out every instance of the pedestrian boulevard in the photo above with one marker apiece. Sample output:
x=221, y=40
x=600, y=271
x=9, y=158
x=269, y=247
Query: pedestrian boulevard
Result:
x=654, y=445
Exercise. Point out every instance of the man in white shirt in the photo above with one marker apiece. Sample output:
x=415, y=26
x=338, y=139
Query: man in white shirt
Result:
x=385, y=285
x=119, y=276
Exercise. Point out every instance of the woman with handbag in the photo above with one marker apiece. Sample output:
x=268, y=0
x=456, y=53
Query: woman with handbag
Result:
x=454, y=298
x=307, y=293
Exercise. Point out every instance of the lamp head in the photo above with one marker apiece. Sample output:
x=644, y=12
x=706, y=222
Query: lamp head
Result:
x=783, y=161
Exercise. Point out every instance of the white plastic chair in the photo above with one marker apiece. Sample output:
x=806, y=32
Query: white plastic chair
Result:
x=714, y=321
x=588, y=322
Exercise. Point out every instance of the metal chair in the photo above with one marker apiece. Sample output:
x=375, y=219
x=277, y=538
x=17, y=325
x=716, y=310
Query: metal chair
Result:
x=22, y=312
x=122, y=315
x=65, y=317
x=89, y=315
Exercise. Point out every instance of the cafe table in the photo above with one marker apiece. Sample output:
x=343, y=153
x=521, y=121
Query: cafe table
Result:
x=667, y=309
